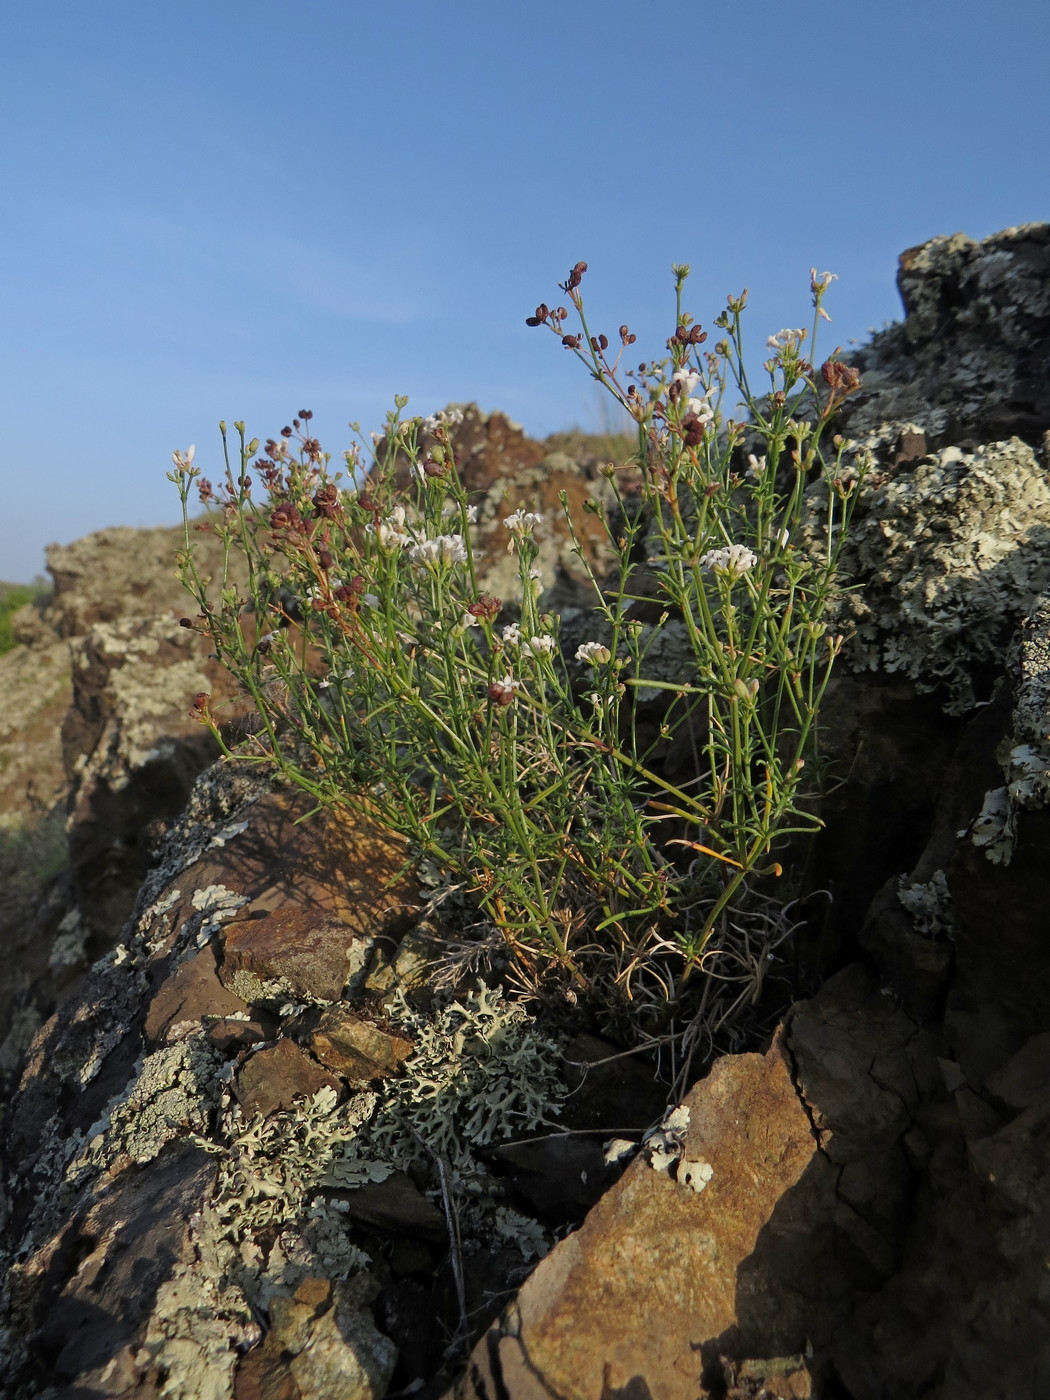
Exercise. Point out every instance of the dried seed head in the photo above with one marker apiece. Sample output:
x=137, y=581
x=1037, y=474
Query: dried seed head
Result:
x=485, y=607
x=501, y=692
x=326, y=501
x=286, y=517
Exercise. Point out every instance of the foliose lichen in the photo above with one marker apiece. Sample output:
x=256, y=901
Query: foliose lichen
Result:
x=948, y=556
x=930, y=905
x=1025, y=751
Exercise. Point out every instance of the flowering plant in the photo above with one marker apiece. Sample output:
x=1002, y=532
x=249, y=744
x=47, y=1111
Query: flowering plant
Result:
x=383, y=674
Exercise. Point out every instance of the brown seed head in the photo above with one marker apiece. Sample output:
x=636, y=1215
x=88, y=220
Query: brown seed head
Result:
x=485, y=607
x=286, y=517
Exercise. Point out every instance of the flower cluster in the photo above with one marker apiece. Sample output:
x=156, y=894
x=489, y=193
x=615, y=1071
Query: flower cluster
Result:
x=593, y=653
x=521, y=525
x=443, y=549
x=732, y=561
x=535, y=775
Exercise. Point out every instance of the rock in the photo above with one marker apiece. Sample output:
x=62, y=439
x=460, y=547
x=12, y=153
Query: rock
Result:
x=319, y=1344
x=184, y=1000
x=406, y=964
x=504, y=471
x=230, y=1033
x=1023, y=1080
x=274, y=1077
x=397, y=1206
x=778, y=1378
x=950, y=556
x=112, y=1258
x=863, y=1210
x=355, y=1048
x=971, y=359
x=606, y=1310
x=296, y=948
x=121, y=573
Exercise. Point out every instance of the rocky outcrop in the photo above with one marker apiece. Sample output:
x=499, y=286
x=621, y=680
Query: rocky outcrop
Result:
x=243, y=1164
x=226, y=1106
x=100, y=750
x=970, y=361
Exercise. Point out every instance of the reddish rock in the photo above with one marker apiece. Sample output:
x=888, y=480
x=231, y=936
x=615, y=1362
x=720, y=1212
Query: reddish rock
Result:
x=303, y=949
x=626, y=1301
x=192, y=992
x=355, y=1048
x=272, y=1078
x=227, y=1033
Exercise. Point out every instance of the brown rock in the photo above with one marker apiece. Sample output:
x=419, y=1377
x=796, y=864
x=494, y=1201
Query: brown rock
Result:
x=192, y=992
x=1024, y=1079
x=302, y=949
x=342, y=862
x=125, y=1242
x=272, y=1078
x=397, y=1205
x=228, y=1033
x=263, y=1374
x=627, y=1300
x=355, y=1048
x=340, y=865
x=328, y=1344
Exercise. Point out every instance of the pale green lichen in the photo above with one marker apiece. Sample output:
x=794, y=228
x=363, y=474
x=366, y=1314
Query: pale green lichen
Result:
x=255, y=990
x=1025, y=751
x=949, y=555
x=929, y=903
x=481, y=1071
x=511, y=1227
x=172, y=1096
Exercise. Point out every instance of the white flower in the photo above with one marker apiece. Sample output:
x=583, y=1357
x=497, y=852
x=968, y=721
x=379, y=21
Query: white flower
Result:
x=336, y=678
x=445, y=549
x=823, y=281
x=468, y=620
x=511, y=635
x=755, y=465
x=520, y=524
x=452, y=509
x=786, y=340
x=702, y=409
x=733, y=560
x=688, y=379
x=783, y=538
x=184, y=460
x=594, y=653
x=540, y=646
x=391, y=533
x=502, y=691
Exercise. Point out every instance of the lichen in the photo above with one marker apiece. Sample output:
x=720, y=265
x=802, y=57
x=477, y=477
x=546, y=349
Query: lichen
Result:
x=949, y=556
x=481, y=1071
x=665, y=1147
x=930, y=905
x=173, y=1094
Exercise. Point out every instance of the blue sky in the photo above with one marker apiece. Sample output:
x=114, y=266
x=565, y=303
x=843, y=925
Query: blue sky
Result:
x=219, y=209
